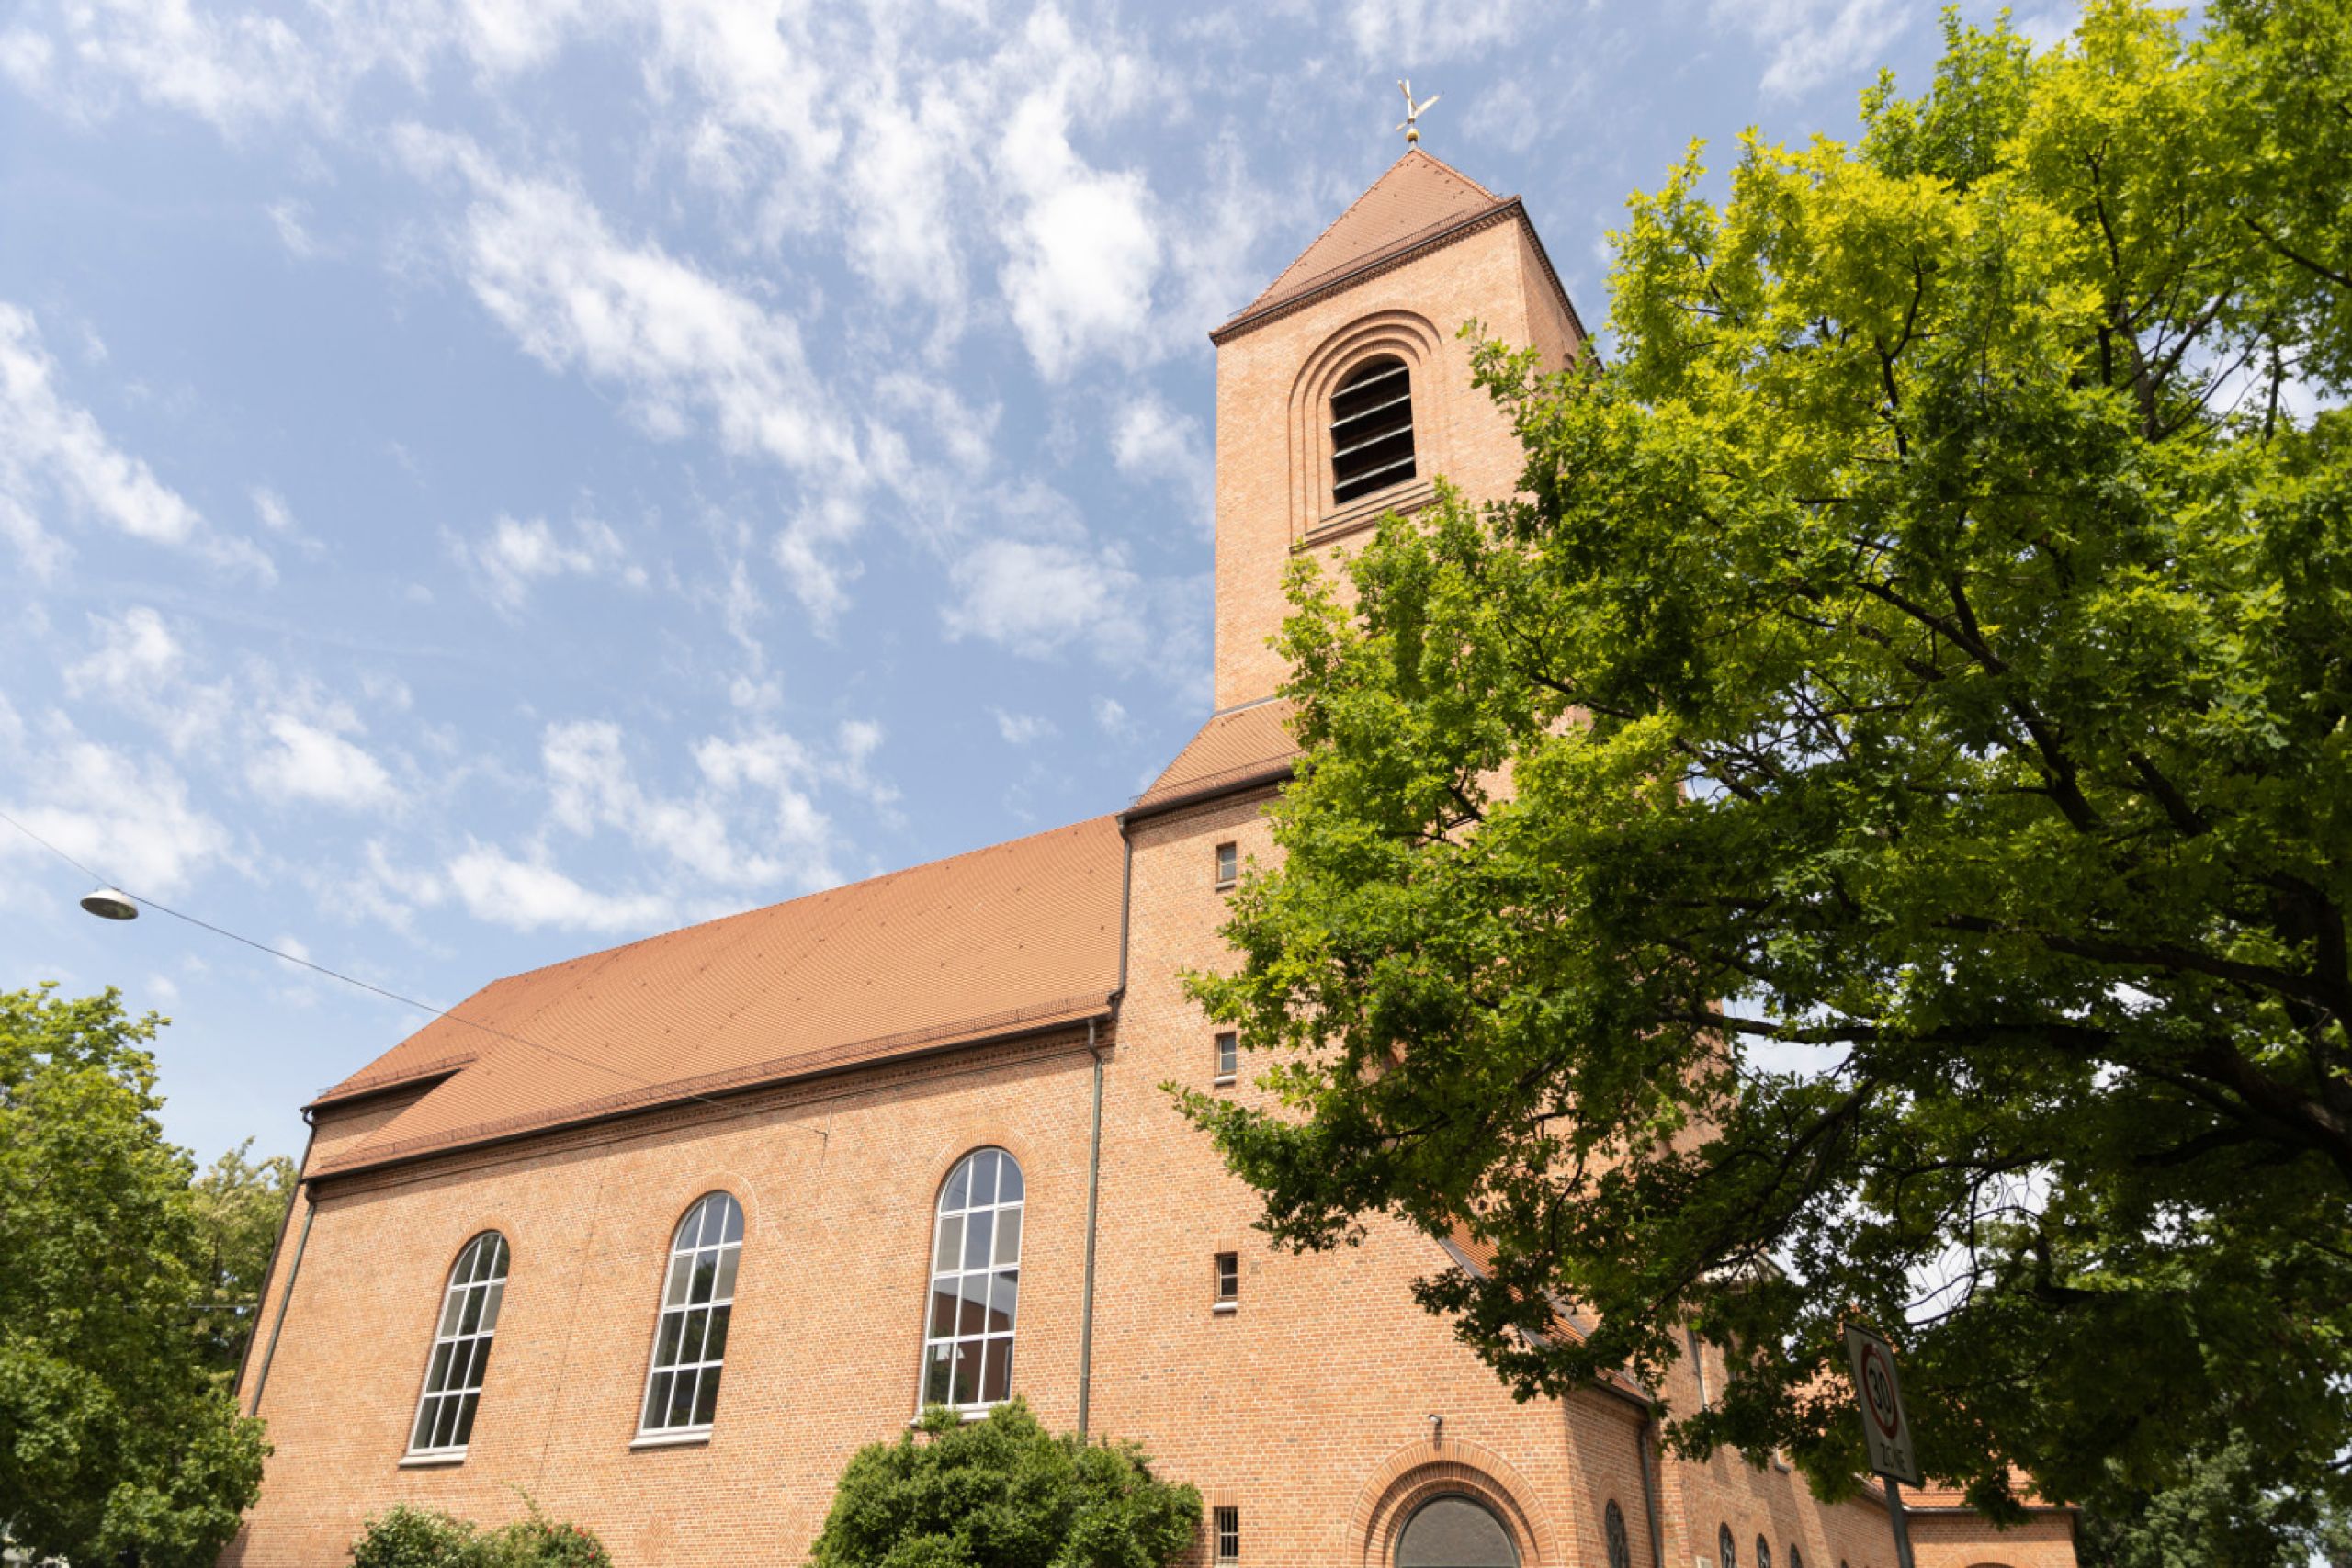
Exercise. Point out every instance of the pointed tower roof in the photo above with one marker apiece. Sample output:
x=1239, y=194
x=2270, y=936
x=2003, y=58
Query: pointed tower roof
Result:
x=1420, y=202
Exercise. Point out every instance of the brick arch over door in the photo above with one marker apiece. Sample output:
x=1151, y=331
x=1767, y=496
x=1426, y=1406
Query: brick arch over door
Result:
x=1420, y=1472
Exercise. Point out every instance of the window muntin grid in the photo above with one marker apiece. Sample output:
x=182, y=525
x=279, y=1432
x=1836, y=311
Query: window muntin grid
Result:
x=975, y=1283
x=1228, y=1534
x=1763, y=1552
x=453, y=1373
x=1226, y=1270
x=1612, y=1528
x=1229, y=1054
x=697, y=1302
x=1229, y=864
x=1727, y=1549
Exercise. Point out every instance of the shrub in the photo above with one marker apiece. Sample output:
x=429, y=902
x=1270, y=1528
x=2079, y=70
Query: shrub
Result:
x=419, y=1538
x=1003, y=1493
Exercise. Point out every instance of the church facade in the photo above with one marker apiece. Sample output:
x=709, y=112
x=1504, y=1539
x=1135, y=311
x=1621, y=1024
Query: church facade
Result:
x=660, y=1236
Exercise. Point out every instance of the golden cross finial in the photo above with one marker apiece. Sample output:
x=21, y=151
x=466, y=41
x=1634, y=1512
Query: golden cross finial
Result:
x=1414, y=111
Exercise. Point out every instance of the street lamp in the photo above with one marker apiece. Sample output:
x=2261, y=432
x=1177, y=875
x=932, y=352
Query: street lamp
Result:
x=110, y=903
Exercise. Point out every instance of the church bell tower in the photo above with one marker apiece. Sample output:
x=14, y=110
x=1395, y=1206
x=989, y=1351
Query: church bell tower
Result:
x=1343, y=390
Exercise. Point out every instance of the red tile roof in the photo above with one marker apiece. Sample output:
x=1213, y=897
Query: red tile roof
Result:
x=1004, y=940
x=1419, y=196
x=1235, y=749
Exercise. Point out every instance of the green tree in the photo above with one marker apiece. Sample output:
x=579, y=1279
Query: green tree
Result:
x=1003, y=1493
x=2216, y=1518
x=1867, y=830
x=119, y=1440
x=241, y=1204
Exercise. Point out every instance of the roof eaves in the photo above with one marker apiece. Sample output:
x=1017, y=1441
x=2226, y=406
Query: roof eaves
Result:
x=1230, y=781
x=355, y=1089
x=906, y=1045
x=1396, y=254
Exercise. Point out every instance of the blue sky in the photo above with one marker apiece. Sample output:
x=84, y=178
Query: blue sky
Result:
x=485, y=479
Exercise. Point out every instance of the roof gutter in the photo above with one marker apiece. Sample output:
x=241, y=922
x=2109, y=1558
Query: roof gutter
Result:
x=1144, y=811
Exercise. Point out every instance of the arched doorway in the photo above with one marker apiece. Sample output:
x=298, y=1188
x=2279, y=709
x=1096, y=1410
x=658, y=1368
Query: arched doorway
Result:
x=1455, y=1531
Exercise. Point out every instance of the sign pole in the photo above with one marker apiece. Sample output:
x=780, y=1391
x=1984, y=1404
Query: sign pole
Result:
x=1896, y=1516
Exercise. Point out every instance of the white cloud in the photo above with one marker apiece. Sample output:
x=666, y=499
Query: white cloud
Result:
x=808, y=550
x=1414, y=33
x=530, y=894
x=1151, y=441
x=1112, y=718
x=518, y=553
x=681, y=347
x=1021, y=728
x=1814, y=42
x=1085, y=250
x=310, y=762
x=231, y=71
x=285, y=218
x=138, y=662
x=124, y=816
x=54, y=456
x=1036, y=598
x=271, y=508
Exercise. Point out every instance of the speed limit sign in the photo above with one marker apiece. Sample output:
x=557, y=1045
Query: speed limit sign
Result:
x=1885, y=1428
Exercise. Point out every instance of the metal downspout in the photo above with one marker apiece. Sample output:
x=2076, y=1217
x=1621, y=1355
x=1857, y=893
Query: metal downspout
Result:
x=1642, y=1447
x=285, y=1299
x=1093, y=1188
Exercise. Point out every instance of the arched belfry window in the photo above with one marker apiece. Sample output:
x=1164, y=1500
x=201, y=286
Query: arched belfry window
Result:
x=1371, y=428
x=445, y=1411
x=1454, y=1531
x=697, y=1300
x=975, y=1283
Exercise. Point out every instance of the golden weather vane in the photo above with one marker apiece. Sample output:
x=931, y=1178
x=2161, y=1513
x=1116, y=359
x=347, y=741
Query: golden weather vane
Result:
x=1414, y=111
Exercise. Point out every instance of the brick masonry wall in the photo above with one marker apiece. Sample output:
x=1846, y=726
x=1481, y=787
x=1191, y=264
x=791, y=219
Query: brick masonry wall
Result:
x=827, y=1329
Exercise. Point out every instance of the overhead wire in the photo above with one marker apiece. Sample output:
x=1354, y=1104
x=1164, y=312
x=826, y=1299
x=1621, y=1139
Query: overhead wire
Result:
x=560, y=1055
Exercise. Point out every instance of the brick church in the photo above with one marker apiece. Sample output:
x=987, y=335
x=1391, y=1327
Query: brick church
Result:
x=789, y=1176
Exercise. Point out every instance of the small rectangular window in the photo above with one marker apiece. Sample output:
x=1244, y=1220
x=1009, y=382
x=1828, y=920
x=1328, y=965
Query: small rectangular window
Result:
x=1228, y=1279
x=1228, y=1532
x=1228, y=1055
x=1229, y=864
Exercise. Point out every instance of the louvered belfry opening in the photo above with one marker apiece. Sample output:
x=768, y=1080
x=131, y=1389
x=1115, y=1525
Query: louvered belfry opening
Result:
x=1371, y=429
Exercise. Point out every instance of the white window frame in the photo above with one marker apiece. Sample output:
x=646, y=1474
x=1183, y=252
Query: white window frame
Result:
x=1225, y=1065
x=1220, y=1298
x=1226, y=878
x=954, y=1275
x=465, y=1326
x=681, y=1277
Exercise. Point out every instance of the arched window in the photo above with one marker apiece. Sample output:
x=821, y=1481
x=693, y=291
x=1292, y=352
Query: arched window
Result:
x=697, y=1299
x=1763, y=1552
x=1727, y=1549
x=1371, y=428
x=1612, y=1529
x=975, y=1283
x=1796, y=1558
x=445, y=1411
x=1454, y=1531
